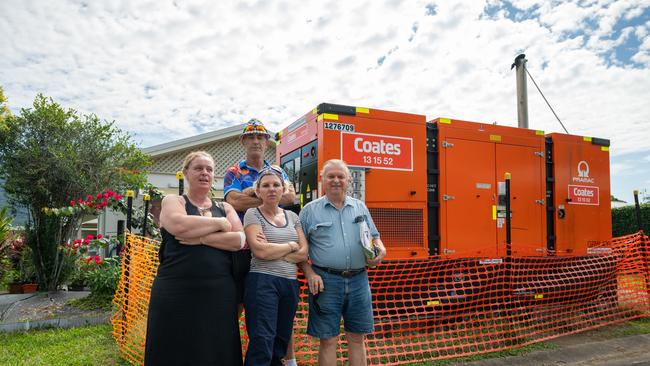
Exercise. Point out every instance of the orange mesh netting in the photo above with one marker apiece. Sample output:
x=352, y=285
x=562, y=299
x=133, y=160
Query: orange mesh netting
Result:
x=435, y=308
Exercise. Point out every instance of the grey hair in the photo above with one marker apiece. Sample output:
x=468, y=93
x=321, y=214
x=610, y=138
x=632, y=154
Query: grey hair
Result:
x=335, y=163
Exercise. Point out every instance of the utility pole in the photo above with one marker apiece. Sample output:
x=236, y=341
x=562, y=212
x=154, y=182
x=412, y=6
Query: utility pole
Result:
x=522, y=91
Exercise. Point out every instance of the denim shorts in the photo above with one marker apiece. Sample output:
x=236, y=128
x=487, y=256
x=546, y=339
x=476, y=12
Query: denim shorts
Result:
x=343, y=297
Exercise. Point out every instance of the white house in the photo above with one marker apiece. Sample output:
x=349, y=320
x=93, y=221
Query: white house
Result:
x=223, y=145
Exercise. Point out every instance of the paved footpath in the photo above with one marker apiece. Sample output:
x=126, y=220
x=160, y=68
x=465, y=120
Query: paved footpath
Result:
x=30, y=311
x=623, y=351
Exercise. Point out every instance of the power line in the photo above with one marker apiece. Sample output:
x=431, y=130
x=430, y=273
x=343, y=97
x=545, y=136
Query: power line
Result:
x=547, y=103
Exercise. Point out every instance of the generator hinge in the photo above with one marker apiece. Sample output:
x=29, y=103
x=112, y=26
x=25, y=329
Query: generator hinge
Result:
x=539, y=153
x=541, y=202
x=447, y=198
x=447, y=144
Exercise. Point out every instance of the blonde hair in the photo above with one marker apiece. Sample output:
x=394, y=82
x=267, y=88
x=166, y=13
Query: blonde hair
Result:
x=193, y=155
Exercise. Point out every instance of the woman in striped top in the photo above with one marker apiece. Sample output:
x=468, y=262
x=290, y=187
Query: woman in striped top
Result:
x=277, y=243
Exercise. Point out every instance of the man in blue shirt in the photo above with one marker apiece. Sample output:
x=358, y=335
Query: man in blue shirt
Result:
x=239, y=192
x=238, y=188
x=337, y=277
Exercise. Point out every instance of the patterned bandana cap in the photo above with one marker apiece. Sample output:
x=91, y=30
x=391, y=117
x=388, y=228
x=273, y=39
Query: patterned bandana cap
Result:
x=254, y=126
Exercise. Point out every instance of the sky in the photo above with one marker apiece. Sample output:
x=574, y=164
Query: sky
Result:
x=164, y=70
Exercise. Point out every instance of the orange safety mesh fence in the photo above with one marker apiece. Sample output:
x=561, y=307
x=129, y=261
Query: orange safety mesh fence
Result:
x=441, y=308
x=139, y=267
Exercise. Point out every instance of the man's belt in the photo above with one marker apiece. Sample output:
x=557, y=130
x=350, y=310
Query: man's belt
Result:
x=346, y=273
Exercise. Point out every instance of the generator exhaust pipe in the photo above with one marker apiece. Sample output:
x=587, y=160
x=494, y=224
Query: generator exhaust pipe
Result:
x=522, y=90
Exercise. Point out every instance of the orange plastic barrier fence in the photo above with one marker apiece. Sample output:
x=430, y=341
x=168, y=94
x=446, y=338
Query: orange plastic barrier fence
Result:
x=432, y=309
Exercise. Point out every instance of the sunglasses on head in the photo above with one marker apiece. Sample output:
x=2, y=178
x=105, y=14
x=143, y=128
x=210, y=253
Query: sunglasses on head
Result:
x=255, y=128
x=272, y=168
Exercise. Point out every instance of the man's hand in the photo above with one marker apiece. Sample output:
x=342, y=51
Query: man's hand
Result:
x=382, y=253
x=315, y=283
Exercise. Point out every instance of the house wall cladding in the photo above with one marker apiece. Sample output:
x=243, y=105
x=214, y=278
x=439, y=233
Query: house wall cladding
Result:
x=225, y=153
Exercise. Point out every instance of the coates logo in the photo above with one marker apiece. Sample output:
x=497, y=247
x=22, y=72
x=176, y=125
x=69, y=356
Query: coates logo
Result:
x=583, y=173
x=377, y=151
x=376, y=147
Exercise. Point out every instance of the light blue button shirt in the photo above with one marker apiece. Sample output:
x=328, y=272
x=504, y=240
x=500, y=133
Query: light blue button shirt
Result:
x=333, y=234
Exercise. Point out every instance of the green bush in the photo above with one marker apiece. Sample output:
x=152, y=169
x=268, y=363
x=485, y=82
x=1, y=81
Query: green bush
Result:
x=103, y=279
x=624, y=220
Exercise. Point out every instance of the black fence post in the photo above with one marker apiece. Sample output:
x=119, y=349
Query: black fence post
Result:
x=129, y=209
x=637, y=209
x=120, y=236
x=146, y=199
x=181, y=180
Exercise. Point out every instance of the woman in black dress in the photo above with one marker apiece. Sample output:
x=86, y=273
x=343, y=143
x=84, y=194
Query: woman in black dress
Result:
x=193, y=308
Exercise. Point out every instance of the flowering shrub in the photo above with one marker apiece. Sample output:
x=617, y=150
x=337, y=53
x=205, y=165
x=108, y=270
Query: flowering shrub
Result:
x=75, y=254
x=91, y=204
x=71, y=251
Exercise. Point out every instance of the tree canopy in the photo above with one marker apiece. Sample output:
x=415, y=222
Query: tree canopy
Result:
x=49, y=154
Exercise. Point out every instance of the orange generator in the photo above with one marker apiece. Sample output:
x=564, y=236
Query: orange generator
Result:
x=437, y=188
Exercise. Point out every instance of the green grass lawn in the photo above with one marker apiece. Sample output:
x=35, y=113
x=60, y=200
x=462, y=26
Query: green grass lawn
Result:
x=92, y=345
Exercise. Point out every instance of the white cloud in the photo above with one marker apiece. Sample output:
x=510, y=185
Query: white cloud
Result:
x=166, y=70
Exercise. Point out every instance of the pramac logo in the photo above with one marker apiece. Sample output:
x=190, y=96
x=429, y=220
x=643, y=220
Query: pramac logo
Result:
x=583, y=173
x=583, y=169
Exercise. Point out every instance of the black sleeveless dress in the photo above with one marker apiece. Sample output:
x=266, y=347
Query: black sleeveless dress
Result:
x=193, y=308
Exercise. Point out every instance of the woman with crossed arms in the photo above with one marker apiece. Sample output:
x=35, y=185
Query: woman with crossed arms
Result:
x=277, y=243
x=192, y=316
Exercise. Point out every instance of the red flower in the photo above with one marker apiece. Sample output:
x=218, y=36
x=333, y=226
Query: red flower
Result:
x=89, y=204
x=86, y=241
x=72, y=203
x=99, y=236
x=118, y=196
x=98, y=196
x=109, y=193
x=80, y=201
x=104, y=202
x=88, y=260
x=89, y=198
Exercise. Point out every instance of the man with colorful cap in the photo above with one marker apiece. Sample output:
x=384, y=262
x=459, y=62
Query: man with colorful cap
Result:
x=239, y=192
x=239, y=178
